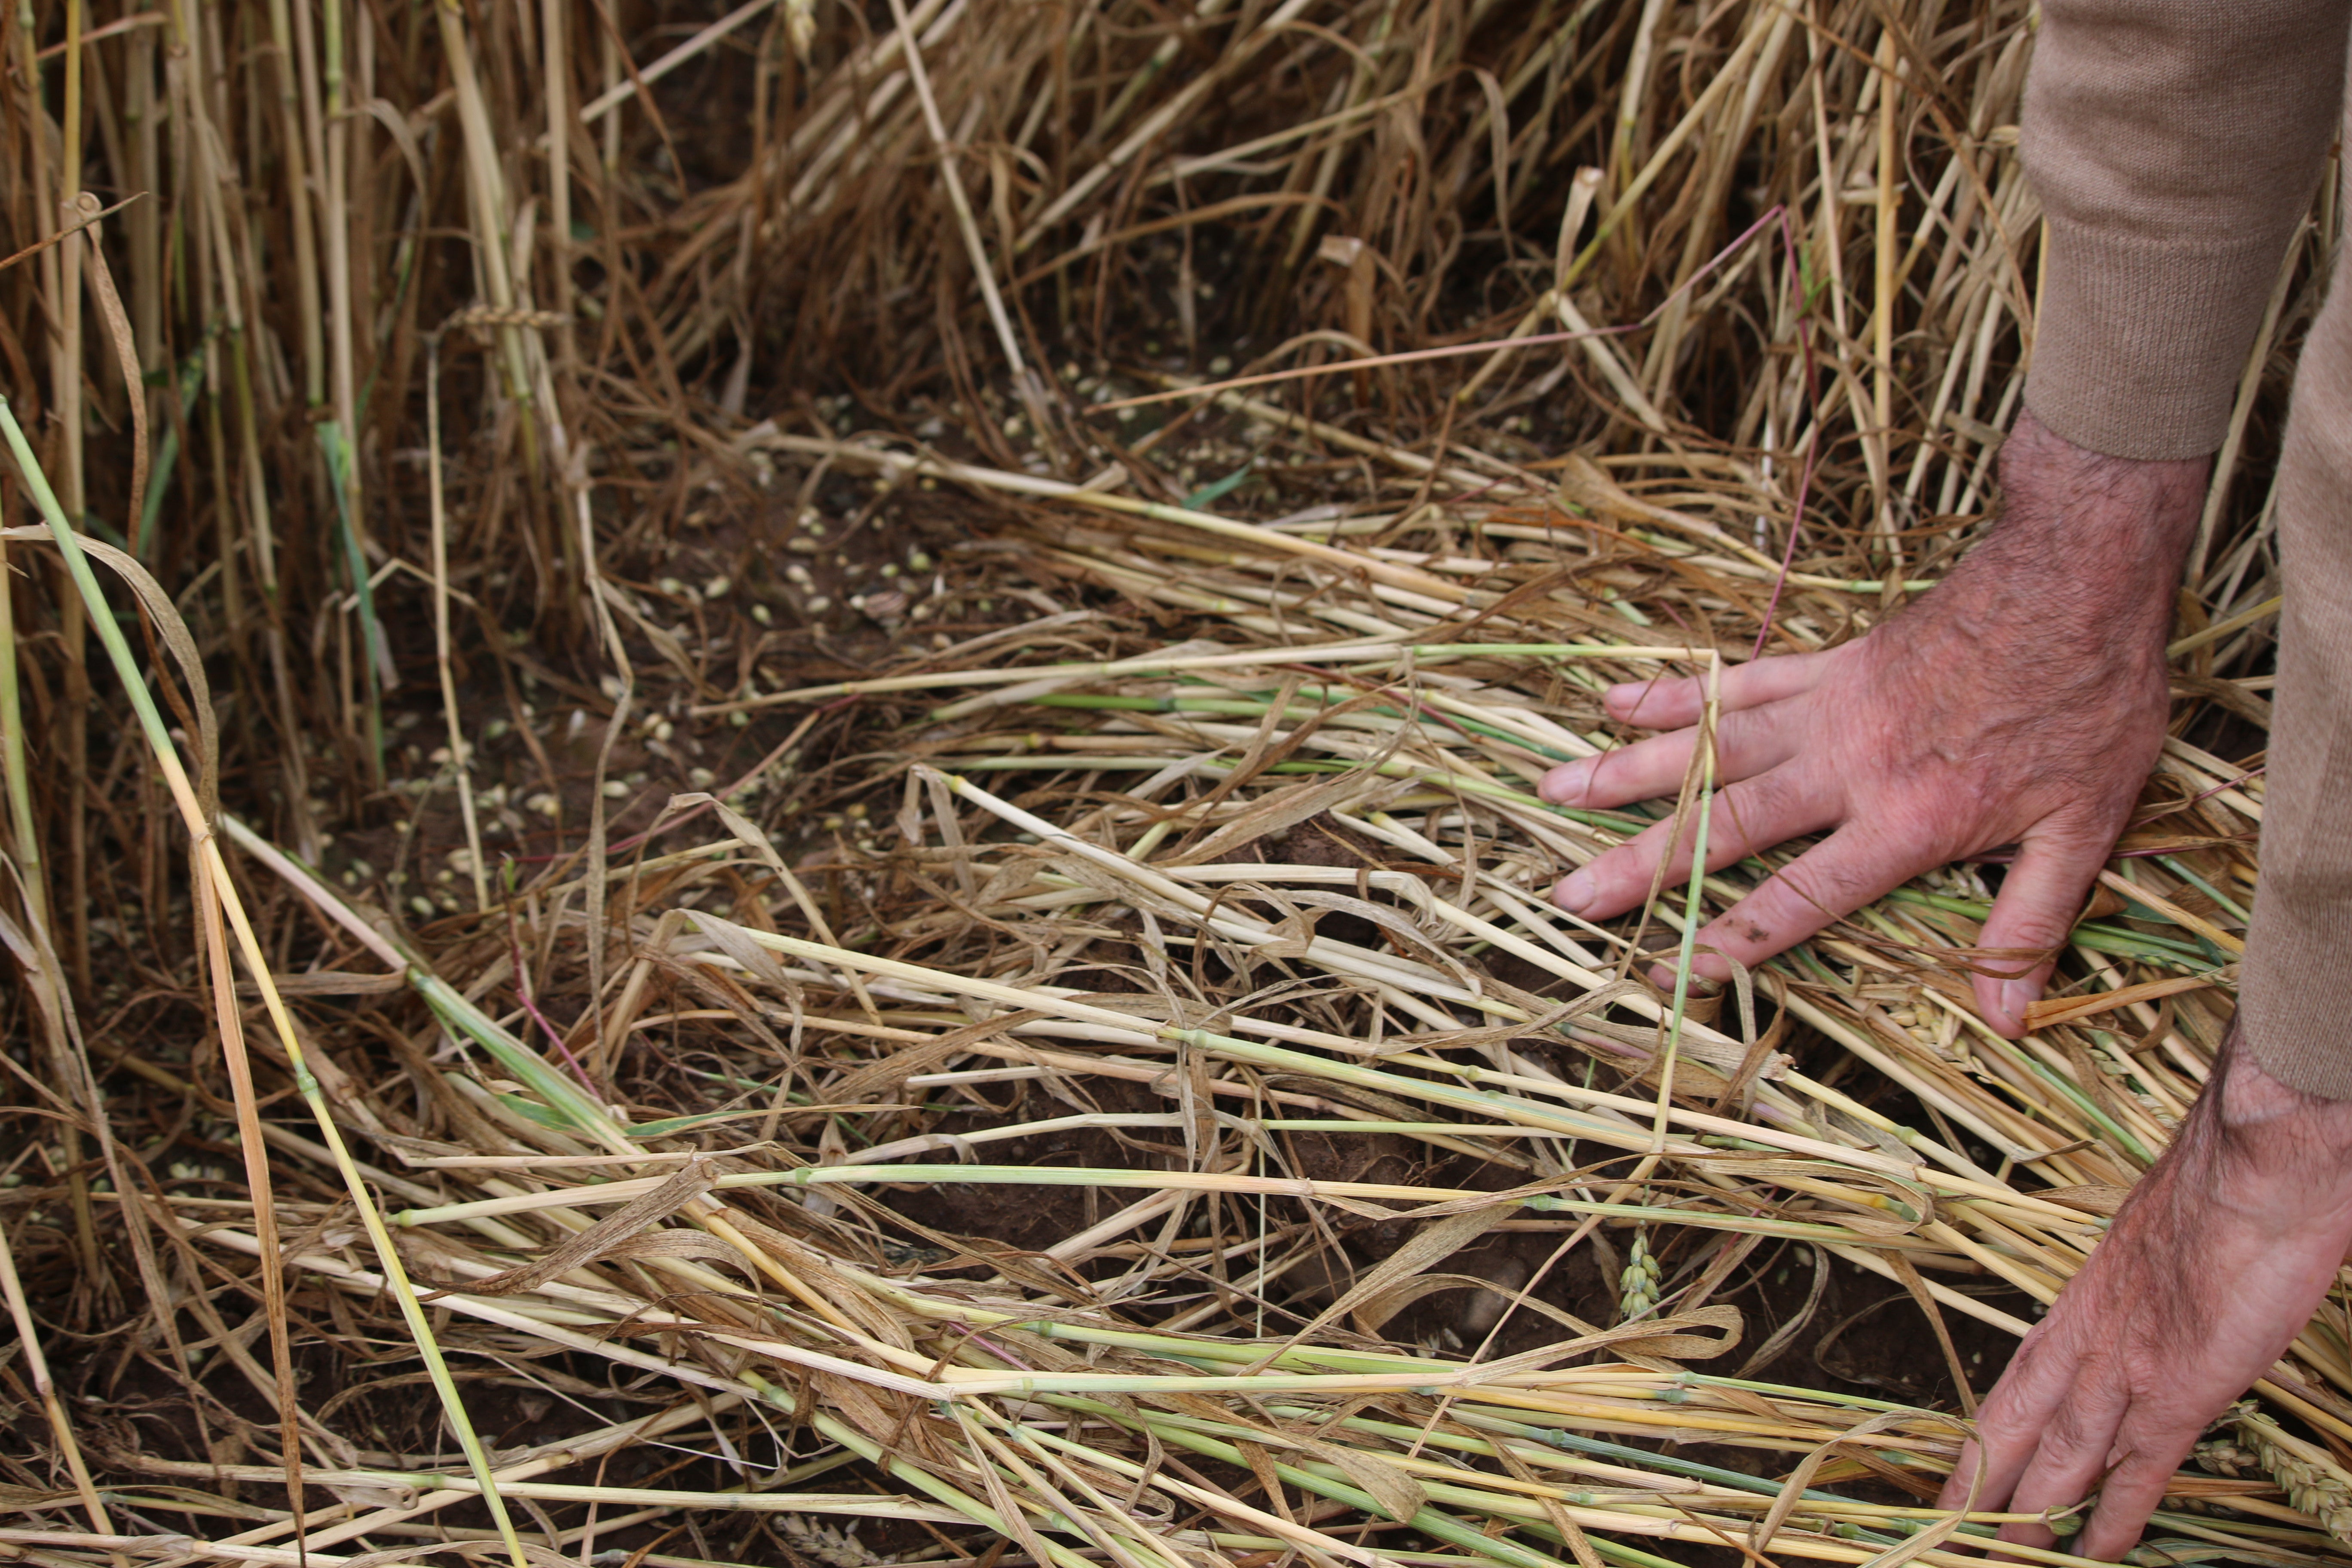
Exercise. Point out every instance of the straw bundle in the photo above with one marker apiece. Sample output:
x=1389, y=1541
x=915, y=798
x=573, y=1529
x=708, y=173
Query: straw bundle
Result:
x=1280, y=422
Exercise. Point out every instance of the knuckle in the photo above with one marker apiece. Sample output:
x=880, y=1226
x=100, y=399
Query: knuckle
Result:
x=1930, y=822
x=2077, y=1426
x=2035, y=931
x=1831, y=884
x=1763, y=794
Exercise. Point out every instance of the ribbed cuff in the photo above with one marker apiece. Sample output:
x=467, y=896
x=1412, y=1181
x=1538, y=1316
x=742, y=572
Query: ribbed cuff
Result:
x=2140, y=341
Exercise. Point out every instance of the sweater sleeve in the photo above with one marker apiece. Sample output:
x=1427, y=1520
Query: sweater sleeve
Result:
x=2174, y=144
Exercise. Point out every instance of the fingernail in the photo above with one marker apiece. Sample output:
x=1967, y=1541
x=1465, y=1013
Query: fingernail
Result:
x=2016, y=995
x=1576, y=892
x=1566, y=783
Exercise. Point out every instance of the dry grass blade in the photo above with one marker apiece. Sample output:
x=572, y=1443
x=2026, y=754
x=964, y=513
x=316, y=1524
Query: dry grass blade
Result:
x=916, y=927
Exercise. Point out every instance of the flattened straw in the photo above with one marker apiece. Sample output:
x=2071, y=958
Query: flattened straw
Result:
x=219, y=900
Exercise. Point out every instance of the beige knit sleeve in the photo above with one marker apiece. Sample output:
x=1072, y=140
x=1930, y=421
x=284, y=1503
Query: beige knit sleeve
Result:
x=2174, y=144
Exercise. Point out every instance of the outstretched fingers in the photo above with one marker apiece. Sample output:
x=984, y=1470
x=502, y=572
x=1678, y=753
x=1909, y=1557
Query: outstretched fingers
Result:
x=2074, y=1450
x=1850, y=869
x=1749, y=816
x=1669, y=704
x=1746, y=744
x=2133, y=1489
x=2009, y=1428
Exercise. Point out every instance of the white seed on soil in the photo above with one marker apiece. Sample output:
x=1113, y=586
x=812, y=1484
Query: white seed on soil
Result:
x=615, y=790
x=761, y=613
x=819, y=605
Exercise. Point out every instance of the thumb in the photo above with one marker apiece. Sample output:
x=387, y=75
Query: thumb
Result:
x=2034, y=913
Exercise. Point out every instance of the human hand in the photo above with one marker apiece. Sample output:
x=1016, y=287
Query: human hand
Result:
x=2021, y=701
x=2213, y=1265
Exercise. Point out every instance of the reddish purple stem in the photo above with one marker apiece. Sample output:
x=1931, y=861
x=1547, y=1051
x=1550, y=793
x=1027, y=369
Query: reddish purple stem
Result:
x=522, y=989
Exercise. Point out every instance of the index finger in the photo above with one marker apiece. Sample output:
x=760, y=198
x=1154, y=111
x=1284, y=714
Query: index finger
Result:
x=1671, y=702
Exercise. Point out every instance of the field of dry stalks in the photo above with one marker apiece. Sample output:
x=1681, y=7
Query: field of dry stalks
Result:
x=768, y=790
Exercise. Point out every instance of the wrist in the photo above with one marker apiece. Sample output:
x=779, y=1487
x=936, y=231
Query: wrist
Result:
x=2254, y=1105
x=2087, y=546
x=2050, y=485
x=2267, y=1148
